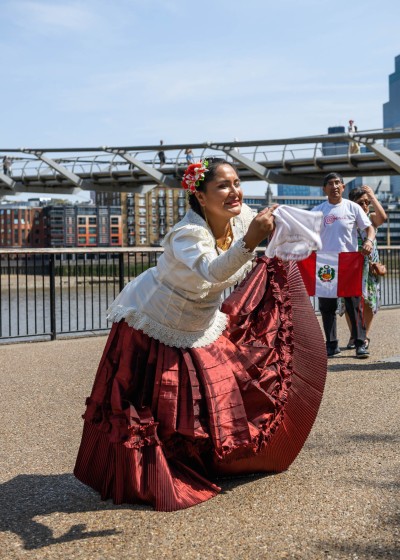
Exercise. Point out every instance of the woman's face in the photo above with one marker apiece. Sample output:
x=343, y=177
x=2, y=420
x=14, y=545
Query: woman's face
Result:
x=364, y=202
x=223, y=197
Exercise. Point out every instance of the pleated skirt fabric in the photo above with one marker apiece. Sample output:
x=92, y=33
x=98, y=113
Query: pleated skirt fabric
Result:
x=163, y=423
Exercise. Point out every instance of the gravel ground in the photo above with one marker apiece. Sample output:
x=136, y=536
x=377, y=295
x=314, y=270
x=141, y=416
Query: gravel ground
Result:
x=338, y=500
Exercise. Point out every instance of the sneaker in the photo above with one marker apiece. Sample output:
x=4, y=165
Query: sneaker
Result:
x=351, y=344
x=331, y=352
x=362, y=352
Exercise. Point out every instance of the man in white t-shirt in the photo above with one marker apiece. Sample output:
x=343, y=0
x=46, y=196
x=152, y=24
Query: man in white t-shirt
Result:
x=342, y=218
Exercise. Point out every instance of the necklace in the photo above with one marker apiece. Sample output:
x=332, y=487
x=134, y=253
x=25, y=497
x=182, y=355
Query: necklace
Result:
x=226, y=242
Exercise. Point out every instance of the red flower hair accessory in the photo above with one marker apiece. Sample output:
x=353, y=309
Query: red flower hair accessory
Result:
x=193, y=175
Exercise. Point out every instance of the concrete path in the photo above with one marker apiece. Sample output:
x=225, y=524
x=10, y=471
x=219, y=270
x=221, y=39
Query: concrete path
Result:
x=338, y=500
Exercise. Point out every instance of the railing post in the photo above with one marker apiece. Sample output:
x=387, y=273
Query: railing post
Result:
x=52, y=274
x=121, y=271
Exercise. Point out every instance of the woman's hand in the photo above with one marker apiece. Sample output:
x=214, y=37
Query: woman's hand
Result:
x=368, y=191
x=366, y=248
x=260, y=228
x=378, y=216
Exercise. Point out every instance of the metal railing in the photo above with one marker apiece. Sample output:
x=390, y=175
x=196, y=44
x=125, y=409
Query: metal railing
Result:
x=296, y=160
x=45, y=293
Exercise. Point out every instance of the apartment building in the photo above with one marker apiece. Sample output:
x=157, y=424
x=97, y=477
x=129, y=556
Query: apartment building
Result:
x=22, y=226
x=60, y=225
x=149, y=216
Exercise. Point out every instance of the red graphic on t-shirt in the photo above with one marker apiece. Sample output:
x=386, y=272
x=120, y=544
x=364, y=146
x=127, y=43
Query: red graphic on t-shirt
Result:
x=331, y=219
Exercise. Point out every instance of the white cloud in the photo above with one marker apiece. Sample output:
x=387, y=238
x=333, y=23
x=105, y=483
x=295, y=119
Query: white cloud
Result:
x=45, y=16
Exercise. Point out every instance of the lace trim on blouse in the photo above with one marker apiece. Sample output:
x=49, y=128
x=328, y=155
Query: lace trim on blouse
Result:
x=168, y=335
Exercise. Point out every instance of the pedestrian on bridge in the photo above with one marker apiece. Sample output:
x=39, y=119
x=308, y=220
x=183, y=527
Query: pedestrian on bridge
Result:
x=161, y=154
x=354, y=147
x=189, y=155
x=7, y=163
x=187, y=391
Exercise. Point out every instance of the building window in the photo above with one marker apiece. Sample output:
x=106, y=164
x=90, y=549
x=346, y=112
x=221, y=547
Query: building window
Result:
x=93, y=230
x=92, y=240
x=92, y=221
x=81, y=220
x=114, y=240
x=114, y=220
x=82, y=240
x=81, y=230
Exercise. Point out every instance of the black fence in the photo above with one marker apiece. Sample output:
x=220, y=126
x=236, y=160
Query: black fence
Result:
x=47, y=293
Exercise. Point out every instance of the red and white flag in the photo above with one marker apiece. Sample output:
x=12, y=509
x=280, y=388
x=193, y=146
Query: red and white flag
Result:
x=332, y=275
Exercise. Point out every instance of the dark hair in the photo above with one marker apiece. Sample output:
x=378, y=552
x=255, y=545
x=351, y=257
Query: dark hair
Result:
x=356, y=193
x=213, y=164
x=330, y=176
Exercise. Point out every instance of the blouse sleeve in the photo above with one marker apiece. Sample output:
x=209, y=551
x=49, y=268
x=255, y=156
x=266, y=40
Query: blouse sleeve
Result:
x=195, y=248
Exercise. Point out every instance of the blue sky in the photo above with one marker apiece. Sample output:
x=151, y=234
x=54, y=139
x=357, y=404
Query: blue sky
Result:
x=130, y=72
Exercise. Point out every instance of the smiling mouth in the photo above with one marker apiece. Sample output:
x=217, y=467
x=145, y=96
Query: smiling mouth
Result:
x=233, y=202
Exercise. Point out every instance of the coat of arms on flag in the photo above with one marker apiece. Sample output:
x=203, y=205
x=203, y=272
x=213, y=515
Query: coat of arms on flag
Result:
x=333, y=275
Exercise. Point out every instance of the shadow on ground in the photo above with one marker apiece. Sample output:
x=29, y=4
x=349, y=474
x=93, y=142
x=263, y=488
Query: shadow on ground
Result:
x=362, y=365
x=27, y=496
x=355, y=550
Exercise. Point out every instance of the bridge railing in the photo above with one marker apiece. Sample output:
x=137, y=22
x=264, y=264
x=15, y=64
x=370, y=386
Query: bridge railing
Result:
x=92, y=161
x=47, y=293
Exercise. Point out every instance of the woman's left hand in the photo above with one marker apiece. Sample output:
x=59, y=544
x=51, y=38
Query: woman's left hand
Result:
x=367, y=247
x=368, y=191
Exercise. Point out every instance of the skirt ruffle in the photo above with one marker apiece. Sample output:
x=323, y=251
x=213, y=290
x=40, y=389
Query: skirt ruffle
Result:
x=162, y=421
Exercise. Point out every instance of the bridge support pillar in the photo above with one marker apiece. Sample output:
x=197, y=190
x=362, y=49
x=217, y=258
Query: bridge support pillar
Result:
x=159, y=178
x=384, y=153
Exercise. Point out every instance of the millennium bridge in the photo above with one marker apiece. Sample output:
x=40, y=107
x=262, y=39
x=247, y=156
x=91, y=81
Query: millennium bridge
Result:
x=294, y=161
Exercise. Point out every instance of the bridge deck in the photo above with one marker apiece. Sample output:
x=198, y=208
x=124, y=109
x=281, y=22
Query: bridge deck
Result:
x=297, y=161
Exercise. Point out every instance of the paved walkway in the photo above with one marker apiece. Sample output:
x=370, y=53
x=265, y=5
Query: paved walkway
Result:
x=338, y=500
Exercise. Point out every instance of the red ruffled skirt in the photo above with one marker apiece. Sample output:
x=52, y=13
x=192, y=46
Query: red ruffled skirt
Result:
x=162, y=423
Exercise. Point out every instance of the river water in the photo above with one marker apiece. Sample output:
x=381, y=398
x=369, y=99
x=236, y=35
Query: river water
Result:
x=27, y=311
x=81, y=307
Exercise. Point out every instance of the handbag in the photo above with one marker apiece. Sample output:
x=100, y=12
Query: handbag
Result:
x=377, y=268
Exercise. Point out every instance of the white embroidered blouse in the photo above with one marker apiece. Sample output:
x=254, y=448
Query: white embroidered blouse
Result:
x=177, y=302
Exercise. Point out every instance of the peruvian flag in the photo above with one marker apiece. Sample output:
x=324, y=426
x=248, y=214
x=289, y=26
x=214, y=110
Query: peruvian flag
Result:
x=333, y=275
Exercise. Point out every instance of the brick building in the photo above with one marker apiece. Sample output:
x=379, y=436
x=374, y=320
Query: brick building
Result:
x=60, y=225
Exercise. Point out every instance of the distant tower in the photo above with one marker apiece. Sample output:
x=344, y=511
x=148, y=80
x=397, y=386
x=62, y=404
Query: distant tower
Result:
x=268, y=196
x=391, y=116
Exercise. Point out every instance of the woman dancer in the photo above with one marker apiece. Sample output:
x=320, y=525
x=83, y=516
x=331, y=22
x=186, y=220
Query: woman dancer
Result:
x=186, y=392
x=365, y=197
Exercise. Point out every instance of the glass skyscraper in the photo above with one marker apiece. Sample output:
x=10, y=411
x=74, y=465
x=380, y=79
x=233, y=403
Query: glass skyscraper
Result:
x=391, y=117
